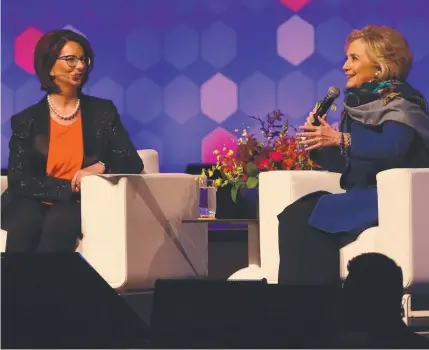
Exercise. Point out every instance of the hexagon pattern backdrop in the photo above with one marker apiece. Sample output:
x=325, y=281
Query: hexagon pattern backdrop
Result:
x=185, y=73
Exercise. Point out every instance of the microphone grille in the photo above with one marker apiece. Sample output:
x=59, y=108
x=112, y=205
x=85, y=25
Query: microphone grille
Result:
x=333, y=92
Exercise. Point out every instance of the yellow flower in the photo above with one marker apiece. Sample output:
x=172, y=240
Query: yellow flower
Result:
x=210, y=171
x=224, y=149
x=230, y=153
x=236, y=130
x=244, y=134
x=200, y=179
x=216, y=152
x=218, y=182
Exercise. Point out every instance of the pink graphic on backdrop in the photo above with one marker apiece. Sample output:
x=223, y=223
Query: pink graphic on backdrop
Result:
x=295, y=5
x=295, y=40
x=25, y=44
x=219, y=98
x=216, y=140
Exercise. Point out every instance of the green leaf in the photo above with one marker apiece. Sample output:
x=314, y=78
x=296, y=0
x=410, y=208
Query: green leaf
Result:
x=252, y=182
x=240, y=182
x=234, y=192
x=251, y=169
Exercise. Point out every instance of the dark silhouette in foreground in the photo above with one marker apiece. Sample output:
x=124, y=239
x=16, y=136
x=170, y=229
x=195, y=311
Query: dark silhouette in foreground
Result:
x=373, y=311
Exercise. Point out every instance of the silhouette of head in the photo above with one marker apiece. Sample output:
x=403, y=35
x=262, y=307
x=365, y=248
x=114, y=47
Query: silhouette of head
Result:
x=373, y=290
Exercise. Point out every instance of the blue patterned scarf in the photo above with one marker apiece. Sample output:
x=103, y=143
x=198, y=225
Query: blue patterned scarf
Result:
x=385, y=91
x=377, y=102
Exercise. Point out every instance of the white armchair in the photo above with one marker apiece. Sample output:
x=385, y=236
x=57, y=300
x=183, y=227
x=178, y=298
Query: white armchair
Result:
x=402, y=233
x=132, y=226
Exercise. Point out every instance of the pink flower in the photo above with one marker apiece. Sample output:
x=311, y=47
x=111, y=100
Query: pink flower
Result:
x=276, y=156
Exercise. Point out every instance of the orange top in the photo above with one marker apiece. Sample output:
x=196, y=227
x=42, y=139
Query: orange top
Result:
x=65, y=154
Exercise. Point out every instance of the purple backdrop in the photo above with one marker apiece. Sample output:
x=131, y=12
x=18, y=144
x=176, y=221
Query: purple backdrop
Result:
x=186, y=73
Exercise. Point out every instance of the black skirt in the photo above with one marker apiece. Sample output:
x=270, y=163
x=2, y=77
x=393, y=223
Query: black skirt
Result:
x=308, y=256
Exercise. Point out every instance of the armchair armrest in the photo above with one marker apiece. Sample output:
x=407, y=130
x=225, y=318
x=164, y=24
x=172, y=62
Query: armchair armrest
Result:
x=133, y=231
x=278, y=189
x=403, y=195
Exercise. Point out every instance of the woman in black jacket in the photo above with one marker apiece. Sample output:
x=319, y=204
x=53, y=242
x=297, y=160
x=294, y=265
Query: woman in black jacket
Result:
x=57, y=142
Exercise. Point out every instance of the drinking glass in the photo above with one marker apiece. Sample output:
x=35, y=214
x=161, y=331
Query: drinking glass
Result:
x=207, y=200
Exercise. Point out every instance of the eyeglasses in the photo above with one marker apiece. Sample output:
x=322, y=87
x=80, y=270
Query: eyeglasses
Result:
x=73, y=60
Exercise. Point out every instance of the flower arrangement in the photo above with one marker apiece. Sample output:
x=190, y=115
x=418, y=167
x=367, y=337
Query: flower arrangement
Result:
x=276, y=151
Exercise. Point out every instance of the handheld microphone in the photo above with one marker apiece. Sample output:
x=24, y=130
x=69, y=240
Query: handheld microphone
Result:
x=327, y=102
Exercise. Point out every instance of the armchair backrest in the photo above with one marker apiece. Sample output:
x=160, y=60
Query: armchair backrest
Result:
x=150, y=159
x=3, y=183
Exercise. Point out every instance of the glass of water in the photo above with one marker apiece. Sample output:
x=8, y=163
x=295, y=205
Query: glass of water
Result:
x=208, y=200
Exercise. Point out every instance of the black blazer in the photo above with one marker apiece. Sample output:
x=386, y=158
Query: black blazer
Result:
x=104, y=139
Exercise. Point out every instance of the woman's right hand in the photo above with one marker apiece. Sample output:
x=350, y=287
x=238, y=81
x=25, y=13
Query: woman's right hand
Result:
x=310, y=119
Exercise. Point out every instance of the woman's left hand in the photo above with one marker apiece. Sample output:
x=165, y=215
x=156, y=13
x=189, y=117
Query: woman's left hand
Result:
x=94, y=169
x=318, y=136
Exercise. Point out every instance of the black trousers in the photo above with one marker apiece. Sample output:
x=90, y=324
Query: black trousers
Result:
x=36, y=227
x=308, y=255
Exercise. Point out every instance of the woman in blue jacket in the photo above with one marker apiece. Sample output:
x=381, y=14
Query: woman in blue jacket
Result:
x=385, y=125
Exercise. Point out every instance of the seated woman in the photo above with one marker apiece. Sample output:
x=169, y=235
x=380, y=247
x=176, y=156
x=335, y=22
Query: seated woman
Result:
x=57, y=142
x=385, y=125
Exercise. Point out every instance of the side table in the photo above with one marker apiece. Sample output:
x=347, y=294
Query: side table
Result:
x=253, y=270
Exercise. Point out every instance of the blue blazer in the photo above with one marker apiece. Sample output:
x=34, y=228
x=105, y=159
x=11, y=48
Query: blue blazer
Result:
x=373, y=149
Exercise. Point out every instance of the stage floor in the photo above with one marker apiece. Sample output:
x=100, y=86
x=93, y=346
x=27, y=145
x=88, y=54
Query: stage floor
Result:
x=227, y=253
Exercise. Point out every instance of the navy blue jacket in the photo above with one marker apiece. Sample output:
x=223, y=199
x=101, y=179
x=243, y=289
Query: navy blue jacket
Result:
x=373, y=149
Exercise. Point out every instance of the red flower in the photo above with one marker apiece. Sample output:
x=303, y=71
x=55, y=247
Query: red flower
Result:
x=276, y=156
x=288, y=163
x=263, y=164
x=244, y=177
x=293, y=155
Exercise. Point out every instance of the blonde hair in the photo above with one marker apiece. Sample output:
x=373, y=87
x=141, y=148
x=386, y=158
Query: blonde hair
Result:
x=387, y=49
